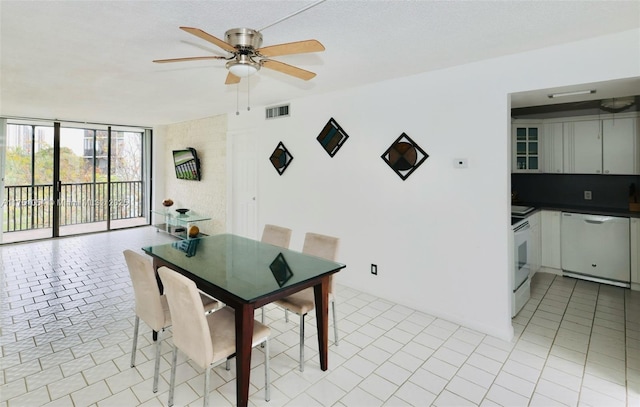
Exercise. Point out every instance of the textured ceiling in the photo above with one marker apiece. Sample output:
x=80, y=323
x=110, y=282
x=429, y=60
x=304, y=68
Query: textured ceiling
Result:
x=91, y=60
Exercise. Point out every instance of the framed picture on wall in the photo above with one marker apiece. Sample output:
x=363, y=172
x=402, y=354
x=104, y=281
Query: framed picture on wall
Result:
x=332, y=137
x=281, y=158
x=404, y=156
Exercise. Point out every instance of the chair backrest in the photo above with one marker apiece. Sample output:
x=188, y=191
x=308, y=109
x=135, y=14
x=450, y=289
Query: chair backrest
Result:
x=190, y=330
x=146, y=291
x=276, y=235
x=321, y=246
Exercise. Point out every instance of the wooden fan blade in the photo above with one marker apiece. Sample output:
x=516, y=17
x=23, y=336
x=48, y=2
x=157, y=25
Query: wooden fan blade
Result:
x=208, y=37
x=287, y=69
x=299, y=47
x=162, y=61
x=231, y=79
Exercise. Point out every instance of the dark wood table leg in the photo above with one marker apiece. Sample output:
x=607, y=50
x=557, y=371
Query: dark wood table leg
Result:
x=321, y=294
x=244, y=335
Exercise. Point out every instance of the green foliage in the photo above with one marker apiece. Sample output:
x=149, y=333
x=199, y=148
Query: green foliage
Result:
x=17, y=167
x=73, y=168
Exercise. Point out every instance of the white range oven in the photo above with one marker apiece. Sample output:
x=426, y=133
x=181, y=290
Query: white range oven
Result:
x=521, y=267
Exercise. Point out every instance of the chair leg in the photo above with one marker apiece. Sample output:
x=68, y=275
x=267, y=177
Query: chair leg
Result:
x=172, y=380
x=267, y=372
x=156, y=370
x=262, y=320
x=302, y=342
x=227, y=364
x=335, y=322
x=135, y=341
x=207, y=384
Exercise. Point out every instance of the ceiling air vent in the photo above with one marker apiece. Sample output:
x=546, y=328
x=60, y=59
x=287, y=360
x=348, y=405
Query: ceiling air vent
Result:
x=277, y=111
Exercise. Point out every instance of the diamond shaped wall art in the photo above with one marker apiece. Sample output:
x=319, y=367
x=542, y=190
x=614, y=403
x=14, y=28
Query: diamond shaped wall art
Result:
x=404, y=156
x=332, y=137
x=280, y=158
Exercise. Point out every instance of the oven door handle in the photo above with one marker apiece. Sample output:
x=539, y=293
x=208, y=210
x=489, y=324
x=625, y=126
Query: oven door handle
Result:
x=522, y=227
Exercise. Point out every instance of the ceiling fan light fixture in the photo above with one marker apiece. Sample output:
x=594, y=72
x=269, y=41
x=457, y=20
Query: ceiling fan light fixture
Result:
x=242, y=70
x=243, y=66
x=617, y=105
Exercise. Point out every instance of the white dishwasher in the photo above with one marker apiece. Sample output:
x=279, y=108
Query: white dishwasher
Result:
x=596, y=248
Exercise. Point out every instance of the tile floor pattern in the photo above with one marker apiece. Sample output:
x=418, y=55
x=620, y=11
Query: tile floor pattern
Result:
x=67, y=326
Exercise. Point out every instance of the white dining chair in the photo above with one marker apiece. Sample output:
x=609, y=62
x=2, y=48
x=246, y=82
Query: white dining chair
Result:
x=150, y=305
x=303, y=301
x=206, y=339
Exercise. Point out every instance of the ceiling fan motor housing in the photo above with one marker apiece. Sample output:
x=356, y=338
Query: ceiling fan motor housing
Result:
x=242, y=38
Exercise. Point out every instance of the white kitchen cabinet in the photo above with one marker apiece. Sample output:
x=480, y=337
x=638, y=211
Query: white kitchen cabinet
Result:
x=620, y=146
x=582, y=147
x=550, y=239
x=535, y=259
x=635, y=253
x=525, y=142
x=590, y=145
x=552, y=148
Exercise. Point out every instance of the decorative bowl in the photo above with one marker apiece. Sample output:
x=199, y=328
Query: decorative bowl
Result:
x=182, y=211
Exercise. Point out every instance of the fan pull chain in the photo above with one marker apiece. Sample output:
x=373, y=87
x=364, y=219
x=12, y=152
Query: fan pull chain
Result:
x=238, y=100
x=248, y=92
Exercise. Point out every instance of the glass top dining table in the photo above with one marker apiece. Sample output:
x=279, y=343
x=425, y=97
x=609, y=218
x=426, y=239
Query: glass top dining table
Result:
x=246, y=274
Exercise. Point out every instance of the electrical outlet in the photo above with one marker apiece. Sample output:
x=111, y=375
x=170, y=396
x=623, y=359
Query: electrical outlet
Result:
x=587, y=195
x=374, y=269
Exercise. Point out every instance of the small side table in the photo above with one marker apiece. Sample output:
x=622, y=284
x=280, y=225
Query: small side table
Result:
x=177, y=224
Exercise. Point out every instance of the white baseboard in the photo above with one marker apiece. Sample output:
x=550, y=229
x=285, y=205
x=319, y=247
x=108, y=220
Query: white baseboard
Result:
x=551, y=270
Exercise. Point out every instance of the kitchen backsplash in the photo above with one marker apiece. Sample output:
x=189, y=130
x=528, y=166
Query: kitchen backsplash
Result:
x=607, y=191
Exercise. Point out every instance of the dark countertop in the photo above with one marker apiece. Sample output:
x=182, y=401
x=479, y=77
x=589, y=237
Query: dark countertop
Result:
x=591, y=210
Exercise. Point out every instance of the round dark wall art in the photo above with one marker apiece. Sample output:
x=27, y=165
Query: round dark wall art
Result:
x=404, y=156
x=280, y=158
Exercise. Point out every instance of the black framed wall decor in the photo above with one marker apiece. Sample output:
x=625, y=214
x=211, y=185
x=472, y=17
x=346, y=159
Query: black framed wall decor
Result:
x=281, y=158
x=332, y=137
x=404, y=156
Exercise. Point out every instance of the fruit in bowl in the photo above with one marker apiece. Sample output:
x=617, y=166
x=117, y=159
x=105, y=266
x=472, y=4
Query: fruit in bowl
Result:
x=167, y=202
x=194, y=231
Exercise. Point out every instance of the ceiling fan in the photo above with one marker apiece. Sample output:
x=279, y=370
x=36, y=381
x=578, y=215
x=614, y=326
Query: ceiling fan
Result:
x=246, y=57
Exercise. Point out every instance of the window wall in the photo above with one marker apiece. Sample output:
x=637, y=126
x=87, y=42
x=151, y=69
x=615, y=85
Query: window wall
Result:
x=66, y=179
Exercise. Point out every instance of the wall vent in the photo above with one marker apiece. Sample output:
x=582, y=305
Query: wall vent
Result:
x=277, y=111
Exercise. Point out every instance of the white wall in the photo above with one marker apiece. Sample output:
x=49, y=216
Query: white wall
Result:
x=442, y=238
x=207, y=196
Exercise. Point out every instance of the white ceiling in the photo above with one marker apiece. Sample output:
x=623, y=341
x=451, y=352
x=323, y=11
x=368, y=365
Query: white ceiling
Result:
x=91, y=60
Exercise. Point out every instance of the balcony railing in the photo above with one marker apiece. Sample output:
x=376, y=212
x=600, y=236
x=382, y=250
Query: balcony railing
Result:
x=31, y=206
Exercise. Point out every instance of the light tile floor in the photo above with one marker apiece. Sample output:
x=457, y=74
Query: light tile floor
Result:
x=67, y=325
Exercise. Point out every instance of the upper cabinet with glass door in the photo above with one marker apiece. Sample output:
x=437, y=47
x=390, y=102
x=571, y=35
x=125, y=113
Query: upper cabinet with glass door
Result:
x=526, y=138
